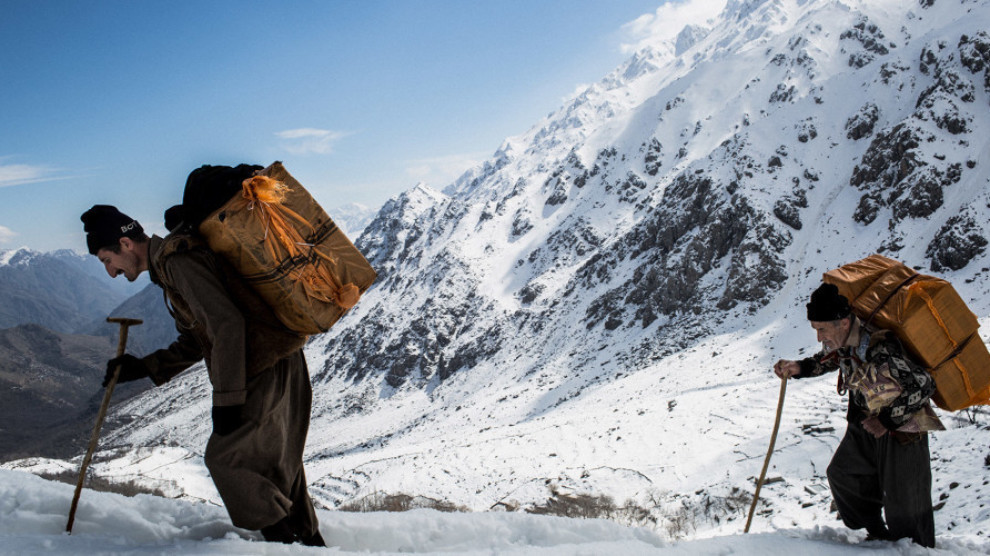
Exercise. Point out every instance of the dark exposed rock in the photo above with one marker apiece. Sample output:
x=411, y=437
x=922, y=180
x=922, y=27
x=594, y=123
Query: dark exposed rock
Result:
x=922, y=195
x=867, y=209
x=530, y=292
x=559, y=194
x=957, y=243
x=521, y=224
x=629, y=188
x=862, y=123
x=807, y=131
x=783, y=93
x=653, y=154
x=889, y=159
x=787, y=209
x=974, y=54
x=939, y=102
x=882, y=172
x=870, y=37
x=693, y=229
x=889, y=70
x=788, y=214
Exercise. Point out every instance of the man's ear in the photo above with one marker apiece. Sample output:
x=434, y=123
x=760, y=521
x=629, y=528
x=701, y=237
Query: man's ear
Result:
x=126, y=243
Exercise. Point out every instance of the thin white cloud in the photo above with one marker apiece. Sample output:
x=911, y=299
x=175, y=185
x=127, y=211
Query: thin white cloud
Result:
x=18, y=174
x=442, y=170
x=7, y=235
x=668, y=21
x=309, y=140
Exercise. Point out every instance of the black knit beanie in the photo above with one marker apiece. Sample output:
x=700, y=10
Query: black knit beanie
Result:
x=210, y=187
x=827, y=304
x=105, y=225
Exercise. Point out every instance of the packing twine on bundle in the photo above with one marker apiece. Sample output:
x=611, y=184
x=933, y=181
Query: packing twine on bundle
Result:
x=266, y=195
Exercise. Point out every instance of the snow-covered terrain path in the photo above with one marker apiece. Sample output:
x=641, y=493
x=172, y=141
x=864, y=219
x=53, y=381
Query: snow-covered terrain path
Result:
x=33, y=513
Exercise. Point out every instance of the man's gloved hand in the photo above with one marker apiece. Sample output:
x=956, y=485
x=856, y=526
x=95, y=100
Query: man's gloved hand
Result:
x=227, y=419
x=131, y=368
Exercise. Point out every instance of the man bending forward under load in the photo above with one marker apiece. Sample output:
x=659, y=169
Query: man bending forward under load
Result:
x=882, y=462
x=261, y=387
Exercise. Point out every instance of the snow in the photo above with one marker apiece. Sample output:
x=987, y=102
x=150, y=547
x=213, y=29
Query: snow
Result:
x=8, y=255
x=33, y=515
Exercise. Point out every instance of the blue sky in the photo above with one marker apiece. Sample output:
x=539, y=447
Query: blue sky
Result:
x=115, y=102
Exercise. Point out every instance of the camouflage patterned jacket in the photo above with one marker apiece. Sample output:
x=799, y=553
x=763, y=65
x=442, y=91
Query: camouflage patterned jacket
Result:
x=882, y=381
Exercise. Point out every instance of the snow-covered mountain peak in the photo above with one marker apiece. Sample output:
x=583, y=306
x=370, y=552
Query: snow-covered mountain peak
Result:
x=738, y=10
x=19, y=256
x=688, y=37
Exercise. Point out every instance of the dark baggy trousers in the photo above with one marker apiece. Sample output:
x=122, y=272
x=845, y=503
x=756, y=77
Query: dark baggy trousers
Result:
x=258, y=468
x=868, y=474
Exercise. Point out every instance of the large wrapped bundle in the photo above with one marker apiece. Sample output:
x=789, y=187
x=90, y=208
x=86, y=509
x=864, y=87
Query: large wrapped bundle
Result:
x=286, y=247
x=930, y=319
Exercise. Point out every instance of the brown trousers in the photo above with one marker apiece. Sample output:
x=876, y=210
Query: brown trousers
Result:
x=258, y=468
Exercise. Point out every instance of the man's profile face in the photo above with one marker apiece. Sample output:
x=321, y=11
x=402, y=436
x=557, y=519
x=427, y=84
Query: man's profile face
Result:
x=127, y=262
x=832, y=334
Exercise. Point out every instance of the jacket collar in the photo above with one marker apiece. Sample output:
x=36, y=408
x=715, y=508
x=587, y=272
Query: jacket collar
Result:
x=154, y=245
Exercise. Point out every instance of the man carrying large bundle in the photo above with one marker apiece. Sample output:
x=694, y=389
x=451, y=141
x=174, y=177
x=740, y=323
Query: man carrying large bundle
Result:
x=261, y=386
x=882, y=462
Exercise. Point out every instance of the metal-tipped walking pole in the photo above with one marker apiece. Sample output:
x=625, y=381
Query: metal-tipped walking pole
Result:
x=95, y=438
x=766, y=463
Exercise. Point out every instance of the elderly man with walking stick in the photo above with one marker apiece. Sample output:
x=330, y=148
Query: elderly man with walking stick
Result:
x=882, y=462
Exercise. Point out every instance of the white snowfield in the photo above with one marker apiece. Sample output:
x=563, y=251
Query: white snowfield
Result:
x=33, y=514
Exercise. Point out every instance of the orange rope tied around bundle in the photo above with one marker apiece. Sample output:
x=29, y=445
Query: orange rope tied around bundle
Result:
x=266, y=195
x=918, y=288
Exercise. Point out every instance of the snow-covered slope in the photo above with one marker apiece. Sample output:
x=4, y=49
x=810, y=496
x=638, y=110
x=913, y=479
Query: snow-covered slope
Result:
x=34, y=515
x=597, y=308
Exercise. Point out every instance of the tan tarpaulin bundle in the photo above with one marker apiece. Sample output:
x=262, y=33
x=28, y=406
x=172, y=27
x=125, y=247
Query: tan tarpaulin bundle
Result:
x=930, y=319
x=288, y=249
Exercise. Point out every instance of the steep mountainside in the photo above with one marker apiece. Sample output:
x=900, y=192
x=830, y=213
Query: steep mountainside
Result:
x=50, y=390
x=596, y=308
x=57, y=290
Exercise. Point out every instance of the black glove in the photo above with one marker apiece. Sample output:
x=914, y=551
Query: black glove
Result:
x=227, y=419
x=131, y=368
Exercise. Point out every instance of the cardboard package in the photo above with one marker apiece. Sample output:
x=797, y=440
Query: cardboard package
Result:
x=287, y=248
x=931, y=320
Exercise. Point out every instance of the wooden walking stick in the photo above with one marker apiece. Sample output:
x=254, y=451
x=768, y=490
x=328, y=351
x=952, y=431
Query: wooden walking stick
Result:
x=94, y=439
x=766, y=463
